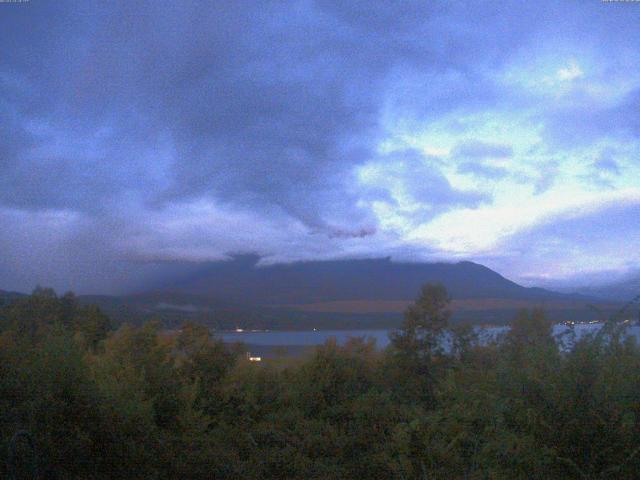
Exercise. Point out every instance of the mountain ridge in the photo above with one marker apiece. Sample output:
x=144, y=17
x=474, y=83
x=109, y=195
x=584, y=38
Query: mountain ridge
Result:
x=242, y=279
x=620, y=290
x=365, y=293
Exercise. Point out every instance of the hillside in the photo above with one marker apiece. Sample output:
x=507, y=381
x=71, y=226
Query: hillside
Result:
x=242, y=280
x=623, y=290
x=341, y=294
x=346, y=294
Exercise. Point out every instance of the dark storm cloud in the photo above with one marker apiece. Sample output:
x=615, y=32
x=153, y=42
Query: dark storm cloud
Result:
x=267, y=104
x=120, y=116
x=261, y=104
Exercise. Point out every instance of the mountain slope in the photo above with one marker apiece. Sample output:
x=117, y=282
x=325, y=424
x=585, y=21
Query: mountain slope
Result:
x=623, y=290
x=346, y=294
x=241, y=280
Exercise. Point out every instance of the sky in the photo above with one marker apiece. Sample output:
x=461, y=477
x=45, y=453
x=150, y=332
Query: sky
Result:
x=140, y=139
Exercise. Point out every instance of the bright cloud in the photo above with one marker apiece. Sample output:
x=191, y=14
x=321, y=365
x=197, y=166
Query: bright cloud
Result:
x=570, y=72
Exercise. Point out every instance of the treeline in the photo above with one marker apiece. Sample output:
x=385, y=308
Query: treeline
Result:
x=137, y=403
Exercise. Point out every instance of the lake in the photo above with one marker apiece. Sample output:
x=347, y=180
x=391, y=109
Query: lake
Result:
x=318, y=337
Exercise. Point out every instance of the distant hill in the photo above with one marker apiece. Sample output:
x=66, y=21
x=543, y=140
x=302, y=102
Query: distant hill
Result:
x=241, y=280
x=6, y=297
x=623, y=290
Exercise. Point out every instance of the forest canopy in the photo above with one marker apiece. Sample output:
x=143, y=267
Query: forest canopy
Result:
x=79, y=399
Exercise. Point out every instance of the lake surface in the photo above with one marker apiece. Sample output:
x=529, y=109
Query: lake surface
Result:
x=311, y=338
x=304, y=338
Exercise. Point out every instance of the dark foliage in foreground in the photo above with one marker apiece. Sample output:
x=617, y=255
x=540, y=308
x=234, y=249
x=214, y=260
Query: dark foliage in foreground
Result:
x=139, y=403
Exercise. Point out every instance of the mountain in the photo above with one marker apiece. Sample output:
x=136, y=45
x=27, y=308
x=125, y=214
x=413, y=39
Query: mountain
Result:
x=622, y=290
x=347, y=294
x=242, y=280
x=340, y=294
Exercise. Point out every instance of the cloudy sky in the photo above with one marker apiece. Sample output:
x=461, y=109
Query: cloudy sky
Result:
x=141, y=136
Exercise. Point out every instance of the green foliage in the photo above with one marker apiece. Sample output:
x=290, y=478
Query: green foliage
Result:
x=144, y=403
x=424, y=323
x=417, y=355
x=32, y=318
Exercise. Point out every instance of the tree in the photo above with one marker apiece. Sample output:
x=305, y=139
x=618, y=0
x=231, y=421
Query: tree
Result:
x=420, y=335
x=531, y=329
x=417, y=348
x=92, y=325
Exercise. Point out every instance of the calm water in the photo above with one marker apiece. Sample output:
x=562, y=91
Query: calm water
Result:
x=306, y=338
x=310, y=338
